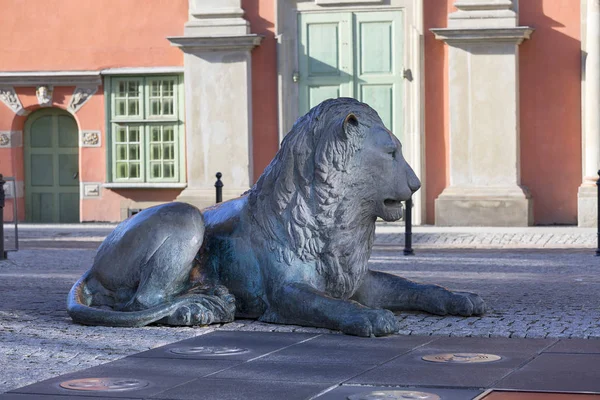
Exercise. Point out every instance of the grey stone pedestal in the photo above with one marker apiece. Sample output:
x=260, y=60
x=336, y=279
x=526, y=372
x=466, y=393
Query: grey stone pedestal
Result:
x=483, y=39
x=218, y=99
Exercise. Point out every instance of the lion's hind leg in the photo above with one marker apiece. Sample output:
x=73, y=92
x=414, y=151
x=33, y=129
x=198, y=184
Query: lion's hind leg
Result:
x=210, y=306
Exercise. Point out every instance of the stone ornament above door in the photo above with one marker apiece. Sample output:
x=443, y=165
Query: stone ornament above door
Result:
x=80, y=96
x=9, y=97
x=44, y=95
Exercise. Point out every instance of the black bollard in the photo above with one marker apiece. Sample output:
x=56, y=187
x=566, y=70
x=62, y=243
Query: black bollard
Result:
x=408, y=250
x=598, y=214
x=2, y=197
x=219, y=187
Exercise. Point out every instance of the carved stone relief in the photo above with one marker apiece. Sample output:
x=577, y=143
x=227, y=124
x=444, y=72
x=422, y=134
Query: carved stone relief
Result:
x=9, y=97
x=4, y=139
x=80, y=96
x=90, y=139
x=44, y=95
x=91, y=190
x=11, y=139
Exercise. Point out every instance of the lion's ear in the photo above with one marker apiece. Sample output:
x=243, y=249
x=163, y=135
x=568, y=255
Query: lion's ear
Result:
x=350, y=125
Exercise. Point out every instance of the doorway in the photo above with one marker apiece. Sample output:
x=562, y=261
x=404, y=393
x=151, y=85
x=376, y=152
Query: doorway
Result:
x=51, y=167
x=353, y=54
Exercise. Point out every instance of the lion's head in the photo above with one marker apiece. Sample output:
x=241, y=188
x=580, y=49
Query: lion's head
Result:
x=337, y=170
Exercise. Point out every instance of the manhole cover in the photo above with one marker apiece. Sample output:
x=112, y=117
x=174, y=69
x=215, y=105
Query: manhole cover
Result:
x=394, y=395
x=461, y=358
x=104, y=384
x=209, y=350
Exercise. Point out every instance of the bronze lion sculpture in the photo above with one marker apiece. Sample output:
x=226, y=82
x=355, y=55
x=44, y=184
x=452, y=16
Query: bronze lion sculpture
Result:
x=292, y=250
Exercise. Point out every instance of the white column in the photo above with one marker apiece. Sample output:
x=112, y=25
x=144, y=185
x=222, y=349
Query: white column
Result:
x=483, y=39
x=587, y=195
x=218, y=96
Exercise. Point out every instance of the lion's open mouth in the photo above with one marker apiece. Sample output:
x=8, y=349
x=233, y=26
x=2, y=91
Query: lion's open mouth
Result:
x=392, y=203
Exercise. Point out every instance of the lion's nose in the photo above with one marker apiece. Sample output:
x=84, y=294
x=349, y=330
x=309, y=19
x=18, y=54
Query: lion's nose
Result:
x=413, y=182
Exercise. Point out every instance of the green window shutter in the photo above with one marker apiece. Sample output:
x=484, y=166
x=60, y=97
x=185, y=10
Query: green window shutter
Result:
x=127, y=98
x=128, y=152
x=162, y=97
x=325, y=59
x=163, y=152
x=358, y=55
x=379, y=65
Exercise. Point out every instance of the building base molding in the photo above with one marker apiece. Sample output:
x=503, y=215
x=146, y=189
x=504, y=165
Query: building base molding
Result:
x=203, y=198
x=485, y=187
x=481, y=206
x=587, y=206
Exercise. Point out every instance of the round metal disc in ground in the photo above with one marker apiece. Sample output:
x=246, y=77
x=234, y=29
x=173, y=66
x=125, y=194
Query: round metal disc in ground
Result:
x=104, y=384
x=209, y=350
x=394, y=395
x=461, y=358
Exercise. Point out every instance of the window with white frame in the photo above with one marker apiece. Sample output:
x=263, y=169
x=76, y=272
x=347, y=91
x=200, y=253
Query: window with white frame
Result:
x=146, y=129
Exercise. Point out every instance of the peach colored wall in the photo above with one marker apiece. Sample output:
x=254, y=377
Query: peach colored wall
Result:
x=436, y=104
x=550, y=99
x=86, y=35
x=90, y=35
x=265, y=138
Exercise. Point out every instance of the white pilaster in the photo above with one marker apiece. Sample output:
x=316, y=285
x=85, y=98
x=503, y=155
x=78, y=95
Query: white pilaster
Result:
x=217, y=64
x=587, y=194
x=483, y=39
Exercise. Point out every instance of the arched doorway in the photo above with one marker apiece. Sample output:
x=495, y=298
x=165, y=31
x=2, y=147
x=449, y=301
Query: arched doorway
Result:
x=51, y=167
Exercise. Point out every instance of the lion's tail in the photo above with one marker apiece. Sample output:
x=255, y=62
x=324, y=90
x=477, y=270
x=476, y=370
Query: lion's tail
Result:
x=78, y=308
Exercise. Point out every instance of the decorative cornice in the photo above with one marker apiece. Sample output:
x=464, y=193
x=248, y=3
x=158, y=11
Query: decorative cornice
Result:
x=483, y=35
x=9, y=97
x=216, y=43
x=80, y=96
x=225, y=12
x=473, y=5
x=124, y=185
x=142, y=70
x=54, y=78
x=344, y=2
x=90, y=139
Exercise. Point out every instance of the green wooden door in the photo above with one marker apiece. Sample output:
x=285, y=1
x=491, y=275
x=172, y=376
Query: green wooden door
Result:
x=51, y=167
x=356, y=55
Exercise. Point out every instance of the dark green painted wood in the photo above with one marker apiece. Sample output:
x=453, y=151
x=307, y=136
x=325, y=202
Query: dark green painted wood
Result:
x=51, y=167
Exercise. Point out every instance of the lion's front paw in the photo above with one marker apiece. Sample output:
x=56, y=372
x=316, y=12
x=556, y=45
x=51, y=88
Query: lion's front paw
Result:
x=370, y=323
x=191, y=314
x=465, y=304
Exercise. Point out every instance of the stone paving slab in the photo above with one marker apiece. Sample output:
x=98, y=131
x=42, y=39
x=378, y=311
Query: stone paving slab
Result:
x=519, y=364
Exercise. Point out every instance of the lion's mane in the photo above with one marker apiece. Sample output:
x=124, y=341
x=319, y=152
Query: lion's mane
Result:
x=309, y=201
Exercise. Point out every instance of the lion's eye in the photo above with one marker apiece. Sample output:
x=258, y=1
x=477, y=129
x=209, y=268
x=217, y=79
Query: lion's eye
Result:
x=393, y=154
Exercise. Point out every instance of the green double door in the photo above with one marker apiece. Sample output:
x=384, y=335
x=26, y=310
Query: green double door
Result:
x=353, y=54
x=51, y=167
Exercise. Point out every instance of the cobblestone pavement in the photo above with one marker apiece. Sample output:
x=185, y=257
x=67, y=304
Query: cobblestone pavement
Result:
x=547, y=237
x=536, y=292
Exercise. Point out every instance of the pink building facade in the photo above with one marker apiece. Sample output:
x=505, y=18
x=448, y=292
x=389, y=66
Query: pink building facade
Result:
x=114, y=107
